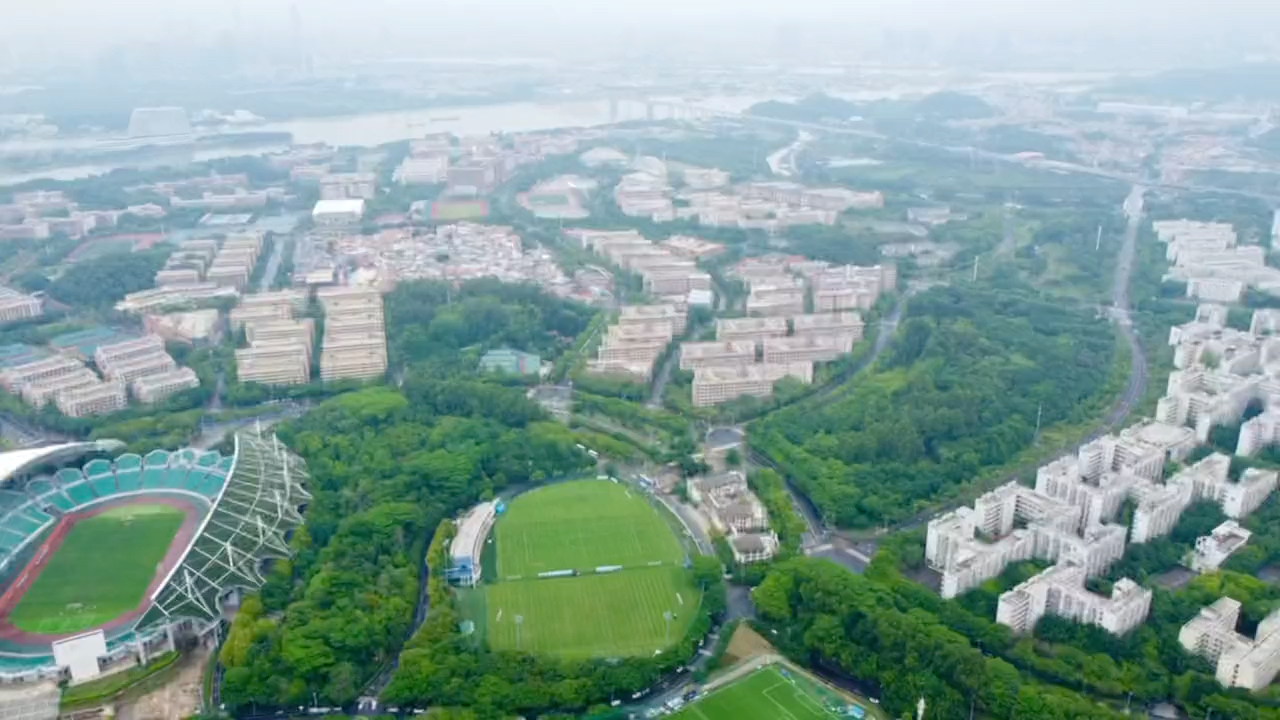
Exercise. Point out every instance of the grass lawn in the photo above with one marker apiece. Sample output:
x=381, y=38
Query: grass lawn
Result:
x=100, y=571
x=613, y=615
x=580, y=526
x=769, y=694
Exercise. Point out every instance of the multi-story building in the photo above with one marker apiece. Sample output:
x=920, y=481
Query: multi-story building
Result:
x=656, y=331
x=971, y=545
x=18, y=306
x=126, y=371
x=41, y=392
x=174, y=297
x=95, y=399
x=107, y=356
x=1140, y=449
x=423, y=170
x=277, y=331
x=1210, y=480
x=349, y=186
x=753, y=547
x=355, y=339
x=1213, y=549
x=154, y=388
x=639, y=314
x=753, y=330
x=776, y=302
x=1158, y=509
x=843, y=298
x=806, y=348
x=1060, y=591
x=694, y=355
x=714, y=385
x=846, y=323
x=274, y=363
x=1240, y=661
x=353, y=356
x=40, y=370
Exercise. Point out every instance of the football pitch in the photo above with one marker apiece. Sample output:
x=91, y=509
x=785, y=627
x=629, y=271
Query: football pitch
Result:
x=613, y=615
x=101, y=570
x=580, y=526
x=766, y=694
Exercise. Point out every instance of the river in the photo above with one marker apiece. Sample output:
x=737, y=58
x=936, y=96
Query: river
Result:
x=377, y=128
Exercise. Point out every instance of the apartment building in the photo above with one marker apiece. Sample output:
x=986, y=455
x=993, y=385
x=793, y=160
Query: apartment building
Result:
x=245, y=315
x=806, y=348
x=18, y=306
x=95, y=399
x=154, y=388
x=1060, y=590
x=284, y=363
x=1213, y=549
x=1210, y=480
x=656, y=331
x=178, y=276
x=783, y=302
x=281, y=331
x=846, y=323
x=675, y=282
x=753, y=330
x=41, y=392
x=349, y=186
x=46, y=369
x=634, y=314
x=1140, y=449
x=105, y=356
x=714, y=385
x=173, y=297
x=353, y=356
x=1239, y=661
x=694, y=355
x=126, y=371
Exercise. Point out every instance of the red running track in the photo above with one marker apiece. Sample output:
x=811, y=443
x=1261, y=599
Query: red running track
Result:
x=13, y=594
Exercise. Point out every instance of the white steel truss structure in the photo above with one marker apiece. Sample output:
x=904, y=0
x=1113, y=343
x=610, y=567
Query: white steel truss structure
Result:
x=247, y=524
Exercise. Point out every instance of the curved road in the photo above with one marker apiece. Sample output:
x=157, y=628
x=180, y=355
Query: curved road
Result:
x=1136, y=386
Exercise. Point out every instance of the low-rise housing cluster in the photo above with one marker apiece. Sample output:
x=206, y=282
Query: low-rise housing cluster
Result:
x=670, y=271
x=734, y=510
x=456, y=252
x=637, y=338
x=355, y=334
x=279, y=343
x=1209, y=259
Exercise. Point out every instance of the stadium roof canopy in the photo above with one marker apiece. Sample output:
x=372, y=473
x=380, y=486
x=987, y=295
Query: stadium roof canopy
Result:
x=246, y=525
x=16, y=461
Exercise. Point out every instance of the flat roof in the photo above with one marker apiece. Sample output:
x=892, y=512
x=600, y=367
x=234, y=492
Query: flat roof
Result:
x=347, y=206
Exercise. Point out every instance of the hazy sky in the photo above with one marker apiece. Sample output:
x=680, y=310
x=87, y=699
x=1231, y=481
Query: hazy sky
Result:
x=427, y=25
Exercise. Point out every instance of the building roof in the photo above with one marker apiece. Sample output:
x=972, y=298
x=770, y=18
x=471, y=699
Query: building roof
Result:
x=346, y=206
x=15, y=461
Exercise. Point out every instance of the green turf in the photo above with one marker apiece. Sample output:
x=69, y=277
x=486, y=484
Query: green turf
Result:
x=765, y=694
x=580, y=526
x=614, y=615
x=100, y=571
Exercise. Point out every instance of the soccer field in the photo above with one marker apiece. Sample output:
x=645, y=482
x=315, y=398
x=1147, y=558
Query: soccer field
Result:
x=766, y=694
x=101, y=570
x=612, y=615
x=580, y=526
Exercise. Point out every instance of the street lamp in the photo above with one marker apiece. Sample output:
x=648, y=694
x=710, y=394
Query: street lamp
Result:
x=519, y=622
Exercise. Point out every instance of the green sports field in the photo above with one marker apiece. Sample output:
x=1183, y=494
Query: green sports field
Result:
x=101, y=570
x=581, y=526
x=769, y=694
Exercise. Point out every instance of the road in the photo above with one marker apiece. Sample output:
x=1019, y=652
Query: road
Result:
x=816, y=532
x=273, y=263
x=783, y=162
x=1134, y=389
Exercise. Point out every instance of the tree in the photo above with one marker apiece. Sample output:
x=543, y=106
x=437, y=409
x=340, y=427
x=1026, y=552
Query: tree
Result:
x=733, y=458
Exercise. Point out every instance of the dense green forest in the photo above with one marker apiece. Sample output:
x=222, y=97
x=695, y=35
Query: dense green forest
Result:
x=450, y=328
x=109, y=278
x=386, y=466
x=958, y=392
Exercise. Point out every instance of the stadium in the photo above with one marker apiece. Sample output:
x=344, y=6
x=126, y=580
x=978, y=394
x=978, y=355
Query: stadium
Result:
x=577, y=569
x=106, y=560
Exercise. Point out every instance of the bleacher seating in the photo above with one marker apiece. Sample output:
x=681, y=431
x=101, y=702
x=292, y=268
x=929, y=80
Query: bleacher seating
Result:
x=46, y=497
x=154, y=469
x=129, y=472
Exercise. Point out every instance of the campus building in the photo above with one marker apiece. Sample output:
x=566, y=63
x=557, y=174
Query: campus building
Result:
x=154, y=388
x=714, y=385
x=1239, y=661
x=283, y=363
x=1213, y=549
x=18, y=306
x=847, y=322
x=753, y=330
x=807, y=348
x=355, y=337
x=94, y=399
x=1060, y=591
x=694, y=355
